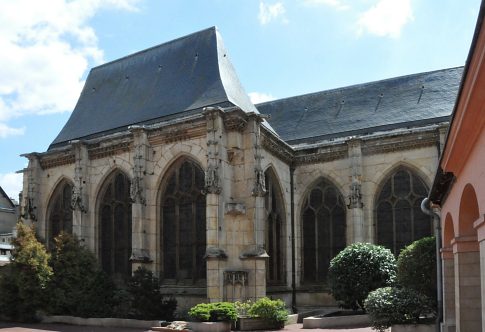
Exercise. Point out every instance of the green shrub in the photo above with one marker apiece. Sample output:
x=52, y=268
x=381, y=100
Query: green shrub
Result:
x=359, y=269
x=392, y=305
x=23, y=283
x=273, y=310
x=146, y=300
x=416, y=267
x=242, y=307
x=78, y=286
x=213, y=312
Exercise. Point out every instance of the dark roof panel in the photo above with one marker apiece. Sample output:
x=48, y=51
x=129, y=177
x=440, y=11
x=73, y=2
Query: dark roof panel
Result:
x=177, y=77
x=383, y=105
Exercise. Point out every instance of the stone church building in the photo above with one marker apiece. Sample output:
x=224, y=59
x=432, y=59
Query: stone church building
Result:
x=165, y=163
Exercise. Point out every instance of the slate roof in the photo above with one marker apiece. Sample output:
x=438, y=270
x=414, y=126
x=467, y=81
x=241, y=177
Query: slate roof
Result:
x=406, y=101
x=178, y=77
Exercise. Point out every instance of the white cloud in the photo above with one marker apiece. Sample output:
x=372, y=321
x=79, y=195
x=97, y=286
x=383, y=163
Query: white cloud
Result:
x=386, y=18
x=45, y=51
x=11, y=183
x=336, y=4
x=268, y=13
x=259, y=97
x=6, y=131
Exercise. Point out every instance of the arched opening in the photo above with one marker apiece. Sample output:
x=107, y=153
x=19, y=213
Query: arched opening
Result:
x=275, y=230
x=324, y=230
x=114, y=213
x=469, y=212
x=399, y=219
x=467, y=265
x=59, y=211
x=183, y=224
x=448, y=231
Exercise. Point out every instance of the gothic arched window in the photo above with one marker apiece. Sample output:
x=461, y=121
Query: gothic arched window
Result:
x=399, y=219
x=60, y=212
x=324, y=230
x=115, y=225
x=275, y=238
x=182, y=226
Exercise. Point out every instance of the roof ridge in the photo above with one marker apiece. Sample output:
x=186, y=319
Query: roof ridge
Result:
x=353, y=86
x=214, y=28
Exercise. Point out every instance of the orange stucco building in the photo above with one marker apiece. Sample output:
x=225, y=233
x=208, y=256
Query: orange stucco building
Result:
x=459, y=191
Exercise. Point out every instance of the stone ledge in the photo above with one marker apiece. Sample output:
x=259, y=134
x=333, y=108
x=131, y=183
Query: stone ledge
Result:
x=105, y=322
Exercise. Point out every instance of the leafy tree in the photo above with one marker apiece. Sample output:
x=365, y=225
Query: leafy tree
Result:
x=359, y=269
x=24, y=281
x=392, y=305
x=78, y=287
x=147, y=302
x=416, y=267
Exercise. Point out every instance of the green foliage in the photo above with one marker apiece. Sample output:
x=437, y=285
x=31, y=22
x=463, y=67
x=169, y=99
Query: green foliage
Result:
x=213, y=312
x=273, y=310
x=146, y=300
x=359, y=269
x=23, y=283
x=78, y=287
x=391, y=305
x=416, y=267
x=242, y=307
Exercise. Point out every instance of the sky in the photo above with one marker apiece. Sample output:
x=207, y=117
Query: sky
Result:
x=279, y=48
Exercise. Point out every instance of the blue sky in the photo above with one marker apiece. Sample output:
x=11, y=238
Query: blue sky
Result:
x=280, y=48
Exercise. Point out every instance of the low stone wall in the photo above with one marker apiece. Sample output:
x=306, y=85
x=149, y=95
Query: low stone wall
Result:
x=106, y=322
x=336, y=321
x=414, y=328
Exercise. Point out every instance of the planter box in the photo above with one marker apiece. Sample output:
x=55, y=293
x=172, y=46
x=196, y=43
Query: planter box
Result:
x=210, y=326
x=250, y=324
x=336, y=322
x=413, y=328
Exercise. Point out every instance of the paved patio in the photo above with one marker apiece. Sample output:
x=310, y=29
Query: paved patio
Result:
x=20, y=327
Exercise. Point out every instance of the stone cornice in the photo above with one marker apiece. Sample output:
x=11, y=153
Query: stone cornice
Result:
x=177, y=133
x=323, y=154
x=101, y=151
x=400, y=142
x=277, y=147
x=59, y=159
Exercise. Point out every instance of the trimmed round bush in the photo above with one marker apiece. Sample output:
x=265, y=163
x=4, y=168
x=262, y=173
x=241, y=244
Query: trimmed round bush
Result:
x=213, y=312
x=359, y=269
x=416, y=267
x=391, y=305
x=273, y=310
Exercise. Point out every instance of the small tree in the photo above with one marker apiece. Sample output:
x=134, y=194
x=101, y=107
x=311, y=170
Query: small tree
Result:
x=392, y=305
x=359, y=269
x=23, y=282
x=78, y=287
x=416, y=267
x=147, y=302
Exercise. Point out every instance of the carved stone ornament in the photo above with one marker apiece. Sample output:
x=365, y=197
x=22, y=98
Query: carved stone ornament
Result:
x=212, y=183
x=29, y=210
x=259, y=183
x=140, y=256
x=77, y=201
x=355, y=196
x=136, y=191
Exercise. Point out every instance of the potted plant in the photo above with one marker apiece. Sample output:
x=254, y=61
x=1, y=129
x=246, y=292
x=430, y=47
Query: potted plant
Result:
x=212, y=317
x=264, y=314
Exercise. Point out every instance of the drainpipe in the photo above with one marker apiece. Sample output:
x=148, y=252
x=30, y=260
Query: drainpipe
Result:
x=425, y=207
x=293, y=264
